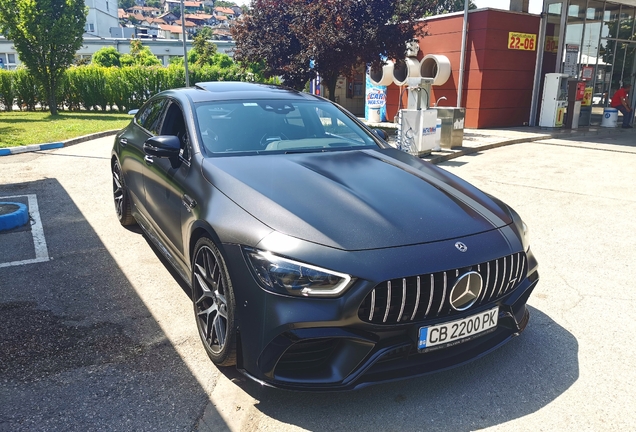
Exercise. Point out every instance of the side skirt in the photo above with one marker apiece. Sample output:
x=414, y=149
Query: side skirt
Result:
x=176, y=263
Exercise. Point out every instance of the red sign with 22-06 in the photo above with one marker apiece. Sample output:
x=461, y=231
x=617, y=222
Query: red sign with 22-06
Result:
x=522, y=41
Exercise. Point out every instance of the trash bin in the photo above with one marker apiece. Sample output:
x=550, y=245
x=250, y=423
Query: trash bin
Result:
x=452, y=126
x=610, y=117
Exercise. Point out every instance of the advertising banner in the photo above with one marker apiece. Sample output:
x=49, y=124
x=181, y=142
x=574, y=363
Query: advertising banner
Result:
x=375, y=102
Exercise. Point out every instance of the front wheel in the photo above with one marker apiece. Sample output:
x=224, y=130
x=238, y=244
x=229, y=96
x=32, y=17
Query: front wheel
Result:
x=120, y=195
x=214, y=305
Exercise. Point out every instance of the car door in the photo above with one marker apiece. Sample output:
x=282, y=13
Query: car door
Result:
x=145, y=124
x=165, y=182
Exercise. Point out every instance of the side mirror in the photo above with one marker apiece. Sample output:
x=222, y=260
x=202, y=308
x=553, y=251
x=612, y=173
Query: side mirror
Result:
x=381, y=134
x=133, y=111
x=165, y=146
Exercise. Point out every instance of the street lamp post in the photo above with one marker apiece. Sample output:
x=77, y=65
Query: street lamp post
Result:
x=185, y=47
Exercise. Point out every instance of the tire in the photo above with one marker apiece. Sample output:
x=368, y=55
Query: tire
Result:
x=214, y=303
x=121, y=198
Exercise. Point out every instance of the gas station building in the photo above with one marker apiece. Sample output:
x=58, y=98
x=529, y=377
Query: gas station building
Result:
x=508, y=54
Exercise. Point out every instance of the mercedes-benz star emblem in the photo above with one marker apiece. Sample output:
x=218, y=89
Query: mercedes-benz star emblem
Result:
x=466, y=291
x=461, y=247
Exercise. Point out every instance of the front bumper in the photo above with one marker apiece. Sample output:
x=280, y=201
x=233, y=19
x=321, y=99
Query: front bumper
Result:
x=322, y=344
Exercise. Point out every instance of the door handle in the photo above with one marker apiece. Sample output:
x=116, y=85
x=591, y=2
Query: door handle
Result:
x=188, y=202
x=123, y=142
x=149, y=160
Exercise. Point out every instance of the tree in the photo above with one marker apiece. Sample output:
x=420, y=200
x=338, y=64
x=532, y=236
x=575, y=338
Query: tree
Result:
x=447, y=6
x=46, y=35
x=335, y=35
x=140, y=55
x=202, y=49
x=126, y=4
x=107, y=57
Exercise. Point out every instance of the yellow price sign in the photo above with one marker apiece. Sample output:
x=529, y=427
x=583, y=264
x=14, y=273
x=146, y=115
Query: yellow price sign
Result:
x=522, y=41
x=587, y=97
x=560, y=116
x=551, y=44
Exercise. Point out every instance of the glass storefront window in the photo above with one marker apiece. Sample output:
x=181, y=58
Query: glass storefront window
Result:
x=618, y=50
x=574, y=37
x=610, y=19
x=599, y=46
x=553, y=29
x=590, y=51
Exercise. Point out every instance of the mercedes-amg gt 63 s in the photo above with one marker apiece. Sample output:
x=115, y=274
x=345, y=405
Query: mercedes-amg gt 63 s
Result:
x=319, y=257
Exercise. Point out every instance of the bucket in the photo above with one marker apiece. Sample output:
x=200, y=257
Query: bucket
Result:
x=374, y=116
x=610, y=117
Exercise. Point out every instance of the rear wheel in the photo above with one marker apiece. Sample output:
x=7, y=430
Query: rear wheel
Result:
x=120, y=195
x=214, y=305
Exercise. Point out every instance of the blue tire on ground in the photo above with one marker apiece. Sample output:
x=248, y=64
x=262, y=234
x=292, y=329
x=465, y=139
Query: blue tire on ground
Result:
x=14, y=218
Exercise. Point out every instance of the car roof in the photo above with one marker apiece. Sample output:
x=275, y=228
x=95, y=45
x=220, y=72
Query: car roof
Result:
x=226, y=90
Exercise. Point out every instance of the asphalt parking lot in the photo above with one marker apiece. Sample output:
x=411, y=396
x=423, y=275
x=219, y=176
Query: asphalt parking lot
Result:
x=98, y=334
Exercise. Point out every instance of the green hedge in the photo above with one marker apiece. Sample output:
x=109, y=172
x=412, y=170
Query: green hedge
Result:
x=92, y=87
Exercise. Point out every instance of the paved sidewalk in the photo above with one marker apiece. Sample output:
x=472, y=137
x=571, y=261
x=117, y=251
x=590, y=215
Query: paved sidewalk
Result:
x=478, y=140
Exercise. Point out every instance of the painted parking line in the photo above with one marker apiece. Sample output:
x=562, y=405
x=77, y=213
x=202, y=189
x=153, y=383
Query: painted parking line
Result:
x=39, y=242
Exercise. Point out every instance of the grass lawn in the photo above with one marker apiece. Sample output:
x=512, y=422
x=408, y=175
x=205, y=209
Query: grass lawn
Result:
x=25, y=128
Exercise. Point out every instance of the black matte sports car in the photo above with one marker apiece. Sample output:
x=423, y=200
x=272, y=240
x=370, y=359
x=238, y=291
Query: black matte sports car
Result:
x=319, y=257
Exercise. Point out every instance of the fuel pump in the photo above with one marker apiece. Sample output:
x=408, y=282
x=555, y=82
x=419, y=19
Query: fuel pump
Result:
x=555, y=100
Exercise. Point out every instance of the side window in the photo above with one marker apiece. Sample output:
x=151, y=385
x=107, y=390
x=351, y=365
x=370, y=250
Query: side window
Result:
x=174, y=124
x=149, y=117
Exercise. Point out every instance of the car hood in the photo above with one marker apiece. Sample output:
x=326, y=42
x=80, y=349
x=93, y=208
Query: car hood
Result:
x=355, y=200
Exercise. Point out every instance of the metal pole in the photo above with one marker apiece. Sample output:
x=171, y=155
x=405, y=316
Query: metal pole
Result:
x=538, y=66
x=462, y=58
x=185, y=48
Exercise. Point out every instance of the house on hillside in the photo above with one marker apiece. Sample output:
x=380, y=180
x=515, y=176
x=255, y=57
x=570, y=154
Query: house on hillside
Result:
x=145, y=11
x=200, y=19
x=224, y=11
x=188, y=6
x=221, y=34
x=168, y=18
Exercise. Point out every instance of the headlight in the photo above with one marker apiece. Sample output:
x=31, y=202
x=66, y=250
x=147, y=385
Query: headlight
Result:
x=286, y=276
x=526, y=236
x=523, y=229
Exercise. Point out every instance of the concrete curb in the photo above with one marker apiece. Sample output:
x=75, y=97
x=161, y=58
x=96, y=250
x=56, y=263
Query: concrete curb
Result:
x=435, y=159
x=48, y=146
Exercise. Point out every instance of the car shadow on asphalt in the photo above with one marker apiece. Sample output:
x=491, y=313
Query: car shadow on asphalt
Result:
x=518, y=379
x=80, y=348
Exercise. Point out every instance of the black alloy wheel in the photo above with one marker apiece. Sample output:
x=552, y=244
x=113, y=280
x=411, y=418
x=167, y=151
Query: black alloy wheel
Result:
x=120, y=195
x=214, y=305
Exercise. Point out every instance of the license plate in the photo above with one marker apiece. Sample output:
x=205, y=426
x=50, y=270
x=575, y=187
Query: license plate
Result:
x=454, y=332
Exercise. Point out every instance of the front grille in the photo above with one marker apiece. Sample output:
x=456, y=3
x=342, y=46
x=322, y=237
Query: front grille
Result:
x=307, y=355
x=416, y=298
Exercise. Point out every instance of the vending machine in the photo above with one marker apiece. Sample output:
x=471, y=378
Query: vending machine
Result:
x=555, y=100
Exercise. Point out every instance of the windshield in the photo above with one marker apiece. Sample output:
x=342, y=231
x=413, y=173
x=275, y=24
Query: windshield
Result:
x=264, y=126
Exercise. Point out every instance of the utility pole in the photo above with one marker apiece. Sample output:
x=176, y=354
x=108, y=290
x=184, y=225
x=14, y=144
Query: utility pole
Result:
x=185, y=47
x=462, y=57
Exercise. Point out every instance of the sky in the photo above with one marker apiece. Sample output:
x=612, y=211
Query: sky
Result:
x=535, y=5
